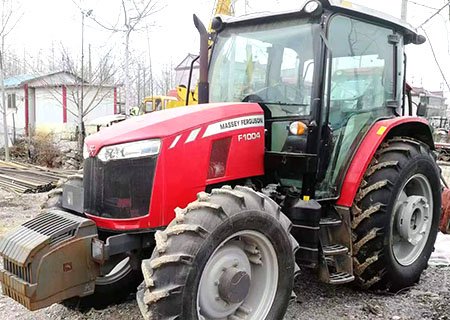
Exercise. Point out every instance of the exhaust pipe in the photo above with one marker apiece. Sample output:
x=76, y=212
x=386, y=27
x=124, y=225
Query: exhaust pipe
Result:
x=203, y=85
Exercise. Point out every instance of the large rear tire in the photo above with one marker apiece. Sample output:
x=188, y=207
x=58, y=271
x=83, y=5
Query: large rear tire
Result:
x=228, y=255
x=396, y=215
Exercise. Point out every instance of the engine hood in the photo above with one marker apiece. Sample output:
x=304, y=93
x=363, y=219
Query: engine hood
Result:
x=168, y=122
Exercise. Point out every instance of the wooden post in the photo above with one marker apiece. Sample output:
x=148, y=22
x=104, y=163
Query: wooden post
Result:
x=27, y=115
x=64, y=103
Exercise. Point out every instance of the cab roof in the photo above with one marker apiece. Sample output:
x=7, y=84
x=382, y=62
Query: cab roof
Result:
x=335, y=6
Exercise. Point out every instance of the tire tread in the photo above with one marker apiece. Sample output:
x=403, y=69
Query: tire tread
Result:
x=369, y=214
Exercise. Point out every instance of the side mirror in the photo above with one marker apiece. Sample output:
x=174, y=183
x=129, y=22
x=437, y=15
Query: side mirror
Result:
x=421, y=110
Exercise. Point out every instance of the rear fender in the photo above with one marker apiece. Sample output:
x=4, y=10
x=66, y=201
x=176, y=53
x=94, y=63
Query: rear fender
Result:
x=414, y=127
x=444, y=225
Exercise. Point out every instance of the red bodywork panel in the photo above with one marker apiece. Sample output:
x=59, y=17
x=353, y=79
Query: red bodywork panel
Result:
x=444, y=224
x=187, y=135
x=364, y=155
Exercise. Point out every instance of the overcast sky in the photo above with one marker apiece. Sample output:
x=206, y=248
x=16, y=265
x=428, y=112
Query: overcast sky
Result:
x=49, y=22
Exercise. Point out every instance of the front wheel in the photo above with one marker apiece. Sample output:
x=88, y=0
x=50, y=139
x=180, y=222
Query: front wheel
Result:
x=118, y=281
x=228, y=255
x=396, y=215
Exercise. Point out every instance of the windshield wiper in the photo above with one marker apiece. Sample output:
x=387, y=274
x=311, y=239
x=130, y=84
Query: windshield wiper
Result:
x=281, y=103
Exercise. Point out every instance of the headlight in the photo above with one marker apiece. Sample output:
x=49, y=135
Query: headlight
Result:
x=85, y=151
x=130, y=150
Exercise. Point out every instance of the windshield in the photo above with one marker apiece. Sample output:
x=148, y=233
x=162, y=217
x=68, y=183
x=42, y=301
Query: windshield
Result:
x=271, y=63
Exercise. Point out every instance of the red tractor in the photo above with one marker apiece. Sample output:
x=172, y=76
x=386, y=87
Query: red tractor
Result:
x=303, y=154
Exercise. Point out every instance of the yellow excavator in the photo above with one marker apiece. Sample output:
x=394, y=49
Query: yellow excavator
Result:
x=161, y=102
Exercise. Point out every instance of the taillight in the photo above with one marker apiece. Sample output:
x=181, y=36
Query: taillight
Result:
x=219, y=157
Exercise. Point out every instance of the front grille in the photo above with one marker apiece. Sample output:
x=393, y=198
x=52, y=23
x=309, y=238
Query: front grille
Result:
x=119, y=189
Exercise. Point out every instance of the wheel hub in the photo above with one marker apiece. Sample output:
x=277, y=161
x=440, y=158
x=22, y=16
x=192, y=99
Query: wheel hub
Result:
x=240, y=279
x=411, y=225
x=222, y=283
x=412, y=216
x=234, y=285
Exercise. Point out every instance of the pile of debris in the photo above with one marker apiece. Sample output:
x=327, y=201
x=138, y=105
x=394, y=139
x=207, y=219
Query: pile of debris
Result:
x=70, y=157
x=47, y=150
x=27, y=178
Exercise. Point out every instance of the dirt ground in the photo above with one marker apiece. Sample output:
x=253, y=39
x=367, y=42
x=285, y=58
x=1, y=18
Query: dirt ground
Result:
x=430, y=299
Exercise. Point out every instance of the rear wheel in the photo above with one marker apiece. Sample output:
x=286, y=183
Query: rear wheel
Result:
x=396, y=215
x=228, y=255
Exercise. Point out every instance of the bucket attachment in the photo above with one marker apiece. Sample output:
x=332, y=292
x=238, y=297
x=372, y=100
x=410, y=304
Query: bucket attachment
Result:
x=48, y=259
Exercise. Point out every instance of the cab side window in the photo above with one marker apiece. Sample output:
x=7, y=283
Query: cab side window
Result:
x=362, y=77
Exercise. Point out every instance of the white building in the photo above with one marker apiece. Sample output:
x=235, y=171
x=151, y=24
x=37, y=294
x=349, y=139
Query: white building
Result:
x=49, y=102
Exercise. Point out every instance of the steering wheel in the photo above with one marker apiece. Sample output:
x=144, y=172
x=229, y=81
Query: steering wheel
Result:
x=252, y=98
x=280, y=92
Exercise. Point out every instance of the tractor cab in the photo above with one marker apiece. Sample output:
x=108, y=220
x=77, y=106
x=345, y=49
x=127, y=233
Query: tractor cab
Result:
x=321, y=88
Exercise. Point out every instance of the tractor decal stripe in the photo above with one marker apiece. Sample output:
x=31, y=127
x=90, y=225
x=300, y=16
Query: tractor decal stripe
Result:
x=175, y=141
x=234, y=124
x=193, y=135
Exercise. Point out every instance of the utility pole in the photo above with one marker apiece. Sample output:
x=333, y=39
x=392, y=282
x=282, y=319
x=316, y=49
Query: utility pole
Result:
x=81, y=98
x=150, y=63
x=145, y=82
x=404, y=13
x=139, y=82
x=127, y=72
x=90, y=65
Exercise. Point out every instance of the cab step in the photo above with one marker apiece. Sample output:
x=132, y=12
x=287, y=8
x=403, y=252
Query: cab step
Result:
x=334, y=249
x=335, y=261
x=330, y=222
x=340, y=278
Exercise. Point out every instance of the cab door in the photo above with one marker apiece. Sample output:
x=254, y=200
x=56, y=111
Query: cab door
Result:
x=365, y=77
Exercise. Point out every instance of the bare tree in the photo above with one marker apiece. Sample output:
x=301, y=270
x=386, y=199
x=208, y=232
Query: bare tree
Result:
x=166, y=81
x=86, y=96
x=9, y=19
x=135, y=13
